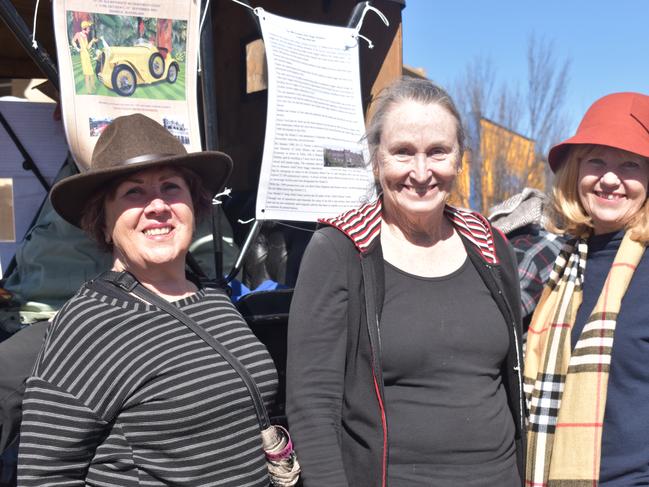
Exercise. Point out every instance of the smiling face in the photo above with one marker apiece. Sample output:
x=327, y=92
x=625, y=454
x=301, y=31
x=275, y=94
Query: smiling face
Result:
x=417, y=158
x=150, y=221
x=612, y=187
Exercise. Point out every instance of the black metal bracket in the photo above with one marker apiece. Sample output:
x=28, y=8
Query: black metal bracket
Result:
x=210, y=125
x=23, y=34
x=357, y=11
x=252, y=14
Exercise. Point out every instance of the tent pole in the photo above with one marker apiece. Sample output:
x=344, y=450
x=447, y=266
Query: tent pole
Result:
x=210, y=127
x=28, y=162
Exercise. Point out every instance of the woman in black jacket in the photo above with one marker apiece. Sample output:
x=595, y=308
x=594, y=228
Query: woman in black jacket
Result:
x=404, y=359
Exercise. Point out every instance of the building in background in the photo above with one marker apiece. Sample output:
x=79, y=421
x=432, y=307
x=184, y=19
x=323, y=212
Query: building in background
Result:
x=497, y=164
x=508, y=164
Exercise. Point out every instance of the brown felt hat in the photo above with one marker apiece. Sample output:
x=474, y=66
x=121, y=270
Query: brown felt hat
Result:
x=620, y=120
x=130, y=144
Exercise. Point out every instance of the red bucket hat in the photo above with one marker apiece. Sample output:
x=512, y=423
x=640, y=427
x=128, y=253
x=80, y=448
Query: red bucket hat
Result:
x=619, y=120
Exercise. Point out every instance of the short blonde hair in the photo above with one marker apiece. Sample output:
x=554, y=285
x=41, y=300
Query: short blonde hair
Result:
x=566, y=214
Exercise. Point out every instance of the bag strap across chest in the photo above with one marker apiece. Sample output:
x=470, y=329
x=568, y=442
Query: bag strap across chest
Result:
x=128, y=285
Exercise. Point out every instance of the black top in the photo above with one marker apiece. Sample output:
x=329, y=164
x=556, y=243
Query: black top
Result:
x=334, y=369
x=445, y=399
x=625, y=449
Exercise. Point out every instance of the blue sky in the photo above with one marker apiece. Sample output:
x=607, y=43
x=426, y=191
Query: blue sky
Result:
x=606, y=41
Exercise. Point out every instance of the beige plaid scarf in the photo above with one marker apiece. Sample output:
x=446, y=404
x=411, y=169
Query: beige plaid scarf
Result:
x=566, y=391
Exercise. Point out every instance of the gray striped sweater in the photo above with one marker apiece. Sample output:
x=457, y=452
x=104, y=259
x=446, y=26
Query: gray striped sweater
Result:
x=122, y=394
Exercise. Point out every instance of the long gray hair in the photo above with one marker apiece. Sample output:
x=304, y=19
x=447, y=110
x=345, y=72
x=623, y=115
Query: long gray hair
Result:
x=408, y=89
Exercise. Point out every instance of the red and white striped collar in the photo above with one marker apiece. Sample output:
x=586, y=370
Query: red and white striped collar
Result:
x=363, y=226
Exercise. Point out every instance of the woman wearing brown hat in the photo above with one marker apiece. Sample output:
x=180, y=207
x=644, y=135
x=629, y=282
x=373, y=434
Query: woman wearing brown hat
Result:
x=123, y=393
x=585, y=369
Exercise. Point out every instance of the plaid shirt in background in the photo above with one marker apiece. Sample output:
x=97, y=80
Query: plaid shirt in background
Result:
x=521, y=219
x=536, y=250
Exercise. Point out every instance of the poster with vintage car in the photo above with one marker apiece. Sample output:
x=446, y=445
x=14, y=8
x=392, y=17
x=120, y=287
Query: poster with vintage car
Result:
x=128, y=56
x=119, y=57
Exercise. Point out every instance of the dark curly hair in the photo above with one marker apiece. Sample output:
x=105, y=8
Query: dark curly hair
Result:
x=93, y=219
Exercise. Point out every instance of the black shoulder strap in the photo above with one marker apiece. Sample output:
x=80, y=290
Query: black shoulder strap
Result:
x=127, y=283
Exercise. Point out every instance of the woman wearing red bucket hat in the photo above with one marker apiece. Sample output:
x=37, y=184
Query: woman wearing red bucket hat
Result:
x=585, y=374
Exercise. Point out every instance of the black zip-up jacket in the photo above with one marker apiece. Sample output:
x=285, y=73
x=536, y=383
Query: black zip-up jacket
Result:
x=334, y=372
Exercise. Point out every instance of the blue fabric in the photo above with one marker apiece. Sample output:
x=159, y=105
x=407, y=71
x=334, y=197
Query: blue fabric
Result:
x=625, y=449
x=9, y=465
x=239, y=289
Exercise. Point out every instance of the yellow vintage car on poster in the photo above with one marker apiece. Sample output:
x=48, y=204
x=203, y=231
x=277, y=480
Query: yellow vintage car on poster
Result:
x=123, y=68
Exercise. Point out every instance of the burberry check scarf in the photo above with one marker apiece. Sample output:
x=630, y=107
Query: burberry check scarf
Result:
x=566, y=390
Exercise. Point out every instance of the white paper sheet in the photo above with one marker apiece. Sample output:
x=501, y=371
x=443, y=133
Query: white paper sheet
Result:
x=314, y=157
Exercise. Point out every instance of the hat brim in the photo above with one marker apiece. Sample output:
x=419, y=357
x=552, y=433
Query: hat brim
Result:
x=70, y=195
x=614, y=136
